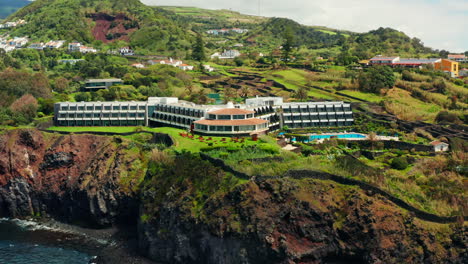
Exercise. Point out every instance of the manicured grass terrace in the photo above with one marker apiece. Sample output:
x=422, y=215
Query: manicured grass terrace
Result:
x=182, y=141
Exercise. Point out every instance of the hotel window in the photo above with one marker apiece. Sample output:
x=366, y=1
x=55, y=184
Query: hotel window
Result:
x=250, y=116
x=212, y=116
x=212, y=128
x=124, y=115
x=105, y=115
x=125, y=107
x=88, y=115
x=72, y=108
x=89, y=108
x=116, y=107
x=63, y=115
x=98, y=108
x=237, y=117
x=133, y=107
x=79, y=115
x=224, y=117
x=115, y=115
x=81, y=108
x=132, y=114
x=107, y=107
x=142, y=107
x=97, y=115
x=141, y=115
x=64, y=108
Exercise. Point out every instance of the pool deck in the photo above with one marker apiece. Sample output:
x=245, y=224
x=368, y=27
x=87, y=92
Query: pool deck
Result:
x=365, y=137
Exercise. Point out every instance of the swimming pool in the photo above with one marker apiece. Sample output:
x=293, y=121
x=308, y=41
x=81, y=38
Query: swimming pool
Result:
x=341, y=136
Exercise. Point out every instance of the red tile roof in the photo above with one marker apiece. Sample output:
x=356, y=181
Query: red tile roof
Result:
x=435, y=143
x=456, y=56
x=232, y=111
x=245, y=122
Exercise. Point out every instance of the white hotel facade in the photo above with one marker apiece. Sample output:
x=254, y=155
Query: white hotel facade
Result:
x=257, y=115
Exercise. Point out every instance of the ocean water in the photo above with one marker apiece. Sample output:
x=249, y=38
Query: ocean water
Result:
x=25, y=242
x=14, y=252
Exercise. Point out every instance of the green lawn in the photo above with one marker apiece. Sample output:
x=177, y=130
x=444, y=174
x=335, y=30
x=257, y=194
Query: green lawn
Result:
x=364, y=96
x=181, y=143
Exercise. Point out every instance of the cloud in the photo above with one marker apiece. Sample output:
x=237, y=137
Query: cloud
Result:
x=440, y=24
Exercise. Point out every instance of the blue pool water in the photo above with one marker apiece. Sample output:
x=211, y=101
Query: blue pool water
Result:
x=341, y=136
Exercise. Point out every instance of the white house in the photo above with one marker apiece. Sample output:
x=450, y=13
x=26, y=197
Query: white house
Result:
x=55, y=44
x=185, y=67
x=227, y=54
x=138, y=65
x=440, y=146
x=74, y=46
x=84, y=49
x=208, y=68
x=126, y=51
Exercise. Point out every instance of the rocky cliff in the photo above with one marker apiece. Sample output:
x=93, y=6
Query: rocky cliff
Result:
x=82, y=179
x=297, y=221
x=189, y=211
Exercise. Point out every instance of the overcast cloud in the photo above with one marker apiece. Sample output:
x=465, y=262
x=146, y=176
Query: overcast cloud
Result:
x=440, y=24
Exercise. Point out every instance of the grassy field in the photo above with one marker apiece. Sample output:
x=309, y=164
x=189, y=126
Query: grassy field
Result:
x=181, y=143
x=364, y=96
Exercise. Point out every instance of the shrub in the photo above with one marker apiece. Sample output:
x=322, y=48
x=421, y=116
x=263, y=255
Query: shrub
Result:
x=399, y=163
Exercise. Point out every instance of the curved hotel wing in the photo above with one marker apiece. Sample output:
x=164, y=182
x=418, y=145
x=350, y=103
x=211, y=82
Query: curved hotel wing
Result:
x=257, y=115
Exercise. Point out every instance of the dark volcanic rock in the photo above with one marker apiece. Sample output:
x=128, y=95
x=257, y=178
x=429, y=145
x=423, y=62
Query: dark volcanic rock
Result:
x=73, y=178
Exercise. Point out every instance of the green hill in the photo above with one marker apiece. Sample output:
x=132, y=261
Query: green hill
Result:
x=268, y=33
x=109, y=20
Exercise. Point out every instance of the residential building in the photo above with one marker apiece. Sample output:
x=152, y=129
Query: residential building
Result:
x=208, y=68
x=458, y=57
x=227, y=54
x=444, y=65
x=175, y=63
x=74, y=46
x=463, y=72
x=97, y=84
x=85, y=49
x=138, y=65
x=38, y=46
x=126, y=51
x=448, y=66
x=55, y=44
x=102, y=113
x=440, y=146
x=258, y=115
x=185, y=67
x=223, y=31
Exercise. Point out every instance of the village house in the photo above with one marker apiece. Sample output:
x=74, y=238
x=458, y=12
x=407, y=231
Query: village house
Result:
x=98, y=84
x=447, y=66
x=174, y=63
x=463, y=72
x=85, y=49
x=74, y=46
x=126, y=51
x=440, y=146
x=208, y=68
x=138, y=65
x=227, y=54
x=458, y=57
x=37, y=46
x=55, y=44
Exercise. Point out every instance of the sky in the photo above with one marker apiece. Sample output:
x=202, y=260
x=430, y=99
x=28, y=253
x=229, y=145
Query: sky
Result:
x=440, y=24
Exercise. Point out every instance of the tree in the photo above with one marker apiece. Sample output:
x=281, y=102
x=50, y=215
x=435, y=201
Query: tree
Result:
x=288, y=43
x=26, y=106
x=198, y=52
x=301, y=94
x=229, y=94
x=376, y=78
x=61, y=85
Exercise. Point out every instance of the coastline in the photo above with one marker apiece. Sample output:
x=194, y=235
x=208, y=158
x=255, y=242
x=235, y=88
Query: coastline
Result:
x=115, y=245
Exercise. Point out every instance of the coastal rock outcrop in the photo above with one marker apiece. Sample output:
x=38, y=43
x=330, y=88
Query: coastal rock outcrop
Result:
x=74, y=178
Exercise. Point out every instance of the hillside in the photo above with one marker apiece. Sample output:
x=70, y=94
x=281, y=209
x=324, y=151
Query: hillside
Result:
x=267, y=34
x=7, y=7
x=106, y=21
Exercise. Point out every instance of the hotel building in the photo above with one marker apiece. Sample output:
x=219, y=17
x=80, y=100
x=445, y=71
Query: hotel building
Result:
x=256, y=116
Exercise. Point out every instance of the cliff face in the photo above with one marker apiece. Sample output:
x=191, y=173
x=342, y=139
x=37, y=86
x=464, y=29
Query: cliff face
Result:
x=192, y=212
x=298, y=221
x=75, y=178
